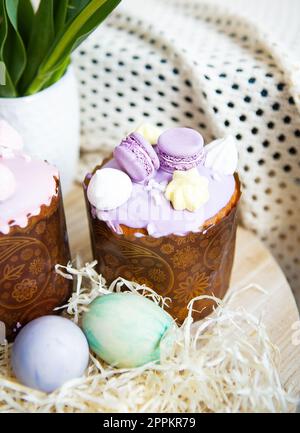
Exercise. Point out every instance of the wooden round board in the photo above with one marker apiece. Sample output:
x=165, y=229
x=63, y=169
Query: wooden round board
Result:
x=253, y=264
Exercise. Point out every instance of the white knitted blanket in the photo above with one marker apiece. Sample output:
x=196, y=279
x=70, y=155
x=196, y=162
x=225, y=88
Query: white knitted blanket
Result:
x=185, y=62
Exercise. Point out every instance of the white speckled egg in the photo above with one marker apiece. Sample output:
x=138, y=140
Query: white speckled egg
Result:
x=48, y=352
x=125, y=329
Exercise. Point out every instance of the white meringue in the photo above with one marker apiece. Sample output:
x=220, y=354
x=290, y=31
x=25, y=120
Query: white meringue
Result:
x=150, y=132
x=10, y=140
x=222, y=156
x=7, y=183
x=109, y=188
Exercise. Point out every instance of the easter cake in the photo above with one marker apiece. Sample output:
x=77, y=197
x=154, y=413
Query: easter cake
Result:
x=33, y=237
x=162, y=212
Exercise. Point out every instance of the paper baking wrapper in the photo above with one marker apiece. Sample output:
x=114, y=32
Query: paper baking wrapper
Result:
x=178, y=267
x=29, y=285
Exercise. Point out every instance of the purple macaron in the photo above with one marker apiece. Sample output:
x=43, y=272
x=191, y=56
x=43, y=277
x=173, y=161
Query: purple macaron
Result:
x=180, y=149
x=137, y=158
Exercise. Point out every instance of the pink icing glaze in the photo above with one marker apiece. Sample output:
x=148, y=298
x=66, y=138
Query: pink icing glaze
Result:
x=143, y=211
x=35, y=186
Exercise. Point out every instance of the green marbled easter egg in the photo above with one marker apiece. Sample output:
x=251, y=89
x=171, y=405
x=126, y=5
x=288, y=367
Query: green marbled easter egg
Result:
x=125, y=329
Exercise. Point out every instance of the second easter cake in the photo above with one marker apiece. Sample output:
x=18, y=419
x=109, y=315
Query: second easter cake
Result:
x=162, y=212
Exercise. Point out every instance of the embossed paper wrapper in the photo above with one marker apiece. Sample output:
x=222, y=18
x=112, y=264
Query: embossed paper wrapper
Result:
x=178, y=267
x=29, y=285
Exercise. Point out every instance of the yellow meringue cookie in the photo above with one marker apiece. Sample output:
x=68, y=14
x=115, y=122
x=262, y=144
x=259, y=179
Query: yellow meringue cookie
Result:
x=188, y=190
x=149, y=132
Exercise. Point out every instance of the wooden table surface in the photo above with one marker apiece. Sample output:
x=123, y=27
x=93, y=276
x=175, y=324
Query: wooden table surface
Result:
x=253, y=264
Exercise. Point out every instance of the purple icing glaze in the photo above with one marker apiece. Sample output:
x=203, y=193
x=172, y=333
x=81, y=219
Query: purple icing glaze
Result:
x=137, y=157
x=142, y=211
x=180, y=149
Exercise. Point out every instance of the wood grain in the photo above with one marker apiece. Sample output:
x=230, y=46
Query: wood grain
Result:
x=253, y=264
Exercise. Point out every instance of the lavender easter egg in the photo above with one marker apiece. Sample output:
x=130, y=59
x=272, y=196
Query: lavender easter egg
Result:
x=125, y=329
x=48, y=352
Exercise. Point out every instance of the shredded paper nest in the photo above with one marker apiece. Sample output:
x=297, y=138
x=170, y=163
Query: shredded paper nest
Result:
x=225, y=363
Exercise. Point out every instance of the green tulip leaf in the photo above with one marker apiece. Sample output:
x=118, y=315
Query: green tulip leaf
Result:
x=15, y=54
x=25, y=19
x=41, y=38
x=60, y=14
x=7, y=90
x=58, y=73
x=36, y=46
x=76, y=31
x=74, y=7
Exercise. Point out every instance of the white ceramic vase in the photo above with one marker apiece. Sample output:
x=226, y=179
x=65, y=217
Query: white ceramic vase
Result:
x=49, y=124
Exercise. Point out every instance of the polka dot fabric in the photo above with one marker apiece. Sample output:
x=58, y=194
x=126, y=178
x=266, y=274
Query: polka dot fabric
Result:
x=192, y=64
